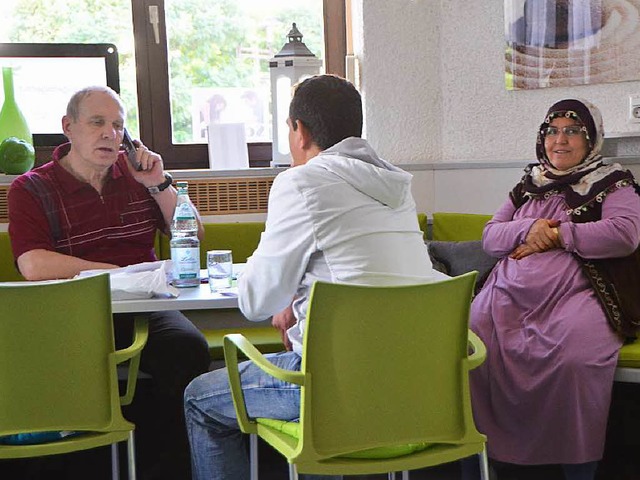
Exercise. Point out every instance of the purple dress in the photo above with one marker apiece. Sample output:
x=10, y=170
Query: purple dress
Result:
x=543, y=394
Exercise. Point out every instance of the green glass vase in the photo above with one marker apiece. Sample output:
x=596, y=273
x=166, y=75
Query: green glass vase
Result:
x=13, y=124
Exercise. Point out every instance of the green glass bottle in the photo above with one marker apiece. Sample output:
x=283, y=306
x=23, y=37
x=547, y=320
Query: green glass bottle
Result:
x=12, y=121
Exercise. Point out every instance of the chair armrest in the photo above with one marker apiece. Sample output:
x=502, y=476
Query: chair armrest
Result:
x=234, y=342
x=479, y=351
x=132, y=353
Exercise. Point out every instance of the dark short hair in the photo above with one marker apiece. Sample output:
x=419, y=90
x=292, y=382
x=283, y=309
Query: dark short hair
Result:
x=330, y=107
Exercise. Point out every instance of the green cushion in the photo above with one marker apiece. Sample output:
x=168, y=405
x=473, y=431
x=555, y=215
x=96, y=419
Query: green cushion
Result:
x=458, y=227
x=8, y=270
x=293, y=430
x=423, y=223
x=241, y=238
x=630, y=355
x=35, y=437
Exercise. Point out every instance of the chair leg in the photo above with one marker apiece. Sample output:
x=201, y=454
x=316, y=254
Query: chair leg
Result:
x=131, y=456
x=253, y=456
x=391, y=476
x=405, y=475
x=293, y=472
x=484, y=464
x=115, y=462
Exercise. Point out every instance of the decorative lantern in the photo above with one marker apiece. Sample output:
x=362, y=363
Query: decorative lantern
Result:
x=292, y=64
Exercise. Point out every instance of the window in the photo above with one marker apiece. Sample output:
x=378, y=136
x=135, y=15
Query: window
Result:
x=229, y=67
x=73, y=21
x=37, y=82
x=184, y=51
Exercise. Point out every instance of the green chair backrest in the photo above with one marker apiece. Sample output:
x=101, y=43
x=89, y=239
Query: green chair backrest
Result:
x=458, y=227
x=57, y=370
x=386, y=366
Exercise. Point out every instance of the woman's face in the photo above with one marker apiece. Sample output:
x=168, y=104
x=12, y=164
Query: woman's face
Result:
x=565, y=148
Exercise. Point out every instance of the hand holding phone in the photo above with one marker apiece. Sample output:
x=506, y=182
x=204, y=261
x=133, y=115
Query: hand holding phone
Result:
x=130, y=148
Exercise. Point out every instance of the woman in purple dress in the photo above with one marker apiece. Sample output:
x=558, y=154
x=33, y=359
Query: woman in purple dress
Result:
x=543, y=394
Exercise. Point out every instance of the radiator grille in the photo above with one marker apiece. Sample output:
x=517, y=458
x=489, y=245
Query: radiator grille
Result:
x=4, y=209
x=230, y=196
x=213, y=196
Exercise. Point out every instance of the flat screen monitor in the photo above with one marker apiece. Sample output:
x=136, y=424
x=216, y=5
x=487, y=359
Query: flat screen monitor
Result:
x=45, y=75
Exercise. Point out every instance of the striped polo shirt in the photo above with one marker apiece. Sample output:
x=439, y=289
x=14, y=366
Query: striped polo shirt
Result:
x=51, y=209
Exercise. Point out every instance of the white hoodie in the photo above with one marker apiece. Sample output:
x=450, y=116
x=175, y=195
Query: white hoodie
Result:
x=346, y=216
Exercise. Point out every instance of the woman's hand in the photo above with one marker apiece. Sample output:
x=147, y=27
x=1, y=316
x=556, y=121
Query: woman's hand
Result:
x=543, y=235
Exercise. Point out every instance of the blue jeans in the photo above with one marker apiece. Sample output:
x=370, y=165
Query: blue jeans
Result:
x=217, y=446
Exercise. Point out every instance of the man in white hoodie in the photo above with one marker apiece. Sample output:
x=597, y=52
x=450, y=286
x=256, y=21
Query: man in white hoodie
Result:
x=343, y=215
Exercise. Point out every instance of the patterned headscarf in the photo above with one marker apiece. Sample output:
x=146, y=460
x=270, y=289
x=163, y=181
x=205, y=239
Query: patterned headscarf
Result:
x=588, y=117
x=582, y=183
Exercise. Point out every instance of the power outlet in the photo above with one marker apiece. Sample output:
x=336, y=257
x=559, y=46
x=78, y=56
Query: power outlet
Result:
x=634, y=109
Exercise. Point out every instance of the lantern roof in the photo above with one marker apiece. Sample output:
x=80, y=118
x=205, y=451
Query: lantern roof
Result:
x=295, y=47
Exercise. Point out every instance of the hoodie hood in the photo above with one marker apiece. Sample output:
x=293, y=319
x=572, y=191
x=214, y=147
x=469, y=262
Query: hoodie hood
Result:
x=355, y=162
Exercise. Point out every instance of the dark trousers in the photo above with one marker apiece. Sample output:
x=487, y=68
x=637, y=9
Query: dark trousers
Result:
x=175, y=353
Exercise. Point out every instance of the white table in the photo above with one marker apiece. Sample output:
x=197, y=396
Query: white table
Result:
x=193, y=298
x=190, y=298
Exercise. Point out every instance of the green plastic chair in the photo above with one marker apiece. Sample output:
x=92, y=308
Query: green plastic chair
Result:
x=384, y=381
x=58, y=368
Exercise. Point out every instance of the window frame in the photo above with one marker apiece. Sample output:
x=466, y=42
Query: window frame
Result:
x=152, y=77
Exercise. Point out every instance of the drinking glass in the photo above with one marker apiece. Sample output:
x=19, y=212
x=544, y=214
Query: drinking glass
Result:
x=220, y=269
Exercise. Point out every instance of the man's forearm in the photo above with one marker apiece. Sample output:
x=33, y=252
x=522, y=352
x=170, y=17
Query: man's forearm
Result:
x=47, y=265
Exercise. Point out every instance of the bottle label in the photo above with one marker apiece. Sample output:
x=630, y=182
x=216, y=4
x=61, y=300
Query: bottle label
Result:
x=184, y=212
x=186, y=263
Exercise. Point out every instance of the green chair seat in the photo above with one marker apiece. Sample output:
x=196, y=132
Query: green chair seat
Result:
x=293, y=429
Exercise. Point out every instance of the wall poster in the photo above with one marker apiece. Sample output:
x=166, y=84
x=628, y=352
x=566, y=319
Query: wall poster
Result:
x=560, y=43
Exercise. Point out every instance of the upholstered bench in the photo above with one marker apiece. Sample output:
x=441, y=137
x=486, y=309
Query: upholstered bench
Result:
x=241, y=238
x=266, y=339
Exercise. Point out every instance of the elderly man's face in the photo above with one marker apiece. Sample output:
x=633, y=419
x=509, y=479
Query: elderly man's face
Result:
x=97, y=133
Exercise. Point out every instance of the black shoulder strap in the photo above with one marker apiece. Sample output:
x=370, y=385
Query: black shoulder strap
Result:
x=42, y=188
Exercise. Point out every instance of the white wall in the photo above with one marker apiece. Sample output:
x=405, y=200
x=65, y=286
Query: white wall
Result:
x=432, y=78
x=401, y=87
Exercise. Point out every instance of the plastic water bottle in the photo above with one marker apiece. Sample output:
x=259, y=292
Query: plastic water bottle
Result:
x=185, y=246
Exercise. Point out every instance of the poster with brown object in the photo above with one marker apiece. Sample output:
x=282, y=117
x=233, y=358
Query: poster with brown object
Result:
x=560, y=43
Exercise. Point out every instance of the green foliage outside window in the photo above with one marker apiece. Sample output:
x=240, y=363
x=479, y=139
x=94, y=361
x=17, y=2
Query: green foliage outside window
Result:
x=82, y=21
x=212, y=43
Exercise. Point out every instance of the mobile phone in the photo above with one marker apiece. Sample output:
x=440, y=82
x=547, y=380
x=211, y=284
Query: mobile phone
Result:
x=130, y=148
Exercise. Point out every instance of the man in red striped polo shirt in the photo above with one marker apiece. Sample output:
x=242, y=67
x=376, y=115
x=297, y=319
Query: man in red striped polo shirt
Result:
x=89, y=208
